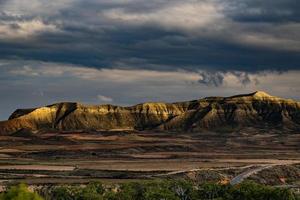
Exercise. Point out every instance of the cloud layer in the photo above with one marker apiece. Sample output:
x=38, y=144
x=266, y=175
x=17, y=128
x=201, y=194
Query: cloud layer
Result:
x=192, y=34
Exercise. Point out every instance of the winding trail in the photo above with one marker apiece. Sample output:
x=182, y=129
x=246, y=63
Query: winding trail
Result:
x=239, y=178
x=253, y=169
x=197, y=170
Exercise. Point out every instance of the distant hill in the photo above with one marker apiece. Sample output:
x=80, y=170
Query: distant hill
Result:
x=258, y=110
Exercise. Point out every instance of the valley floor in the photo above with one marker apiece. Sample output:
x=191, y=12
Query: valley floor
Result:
x=78, y=157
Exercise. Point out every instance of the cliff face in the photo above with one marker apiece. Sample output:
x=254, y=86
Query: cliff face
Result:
x=251, y=110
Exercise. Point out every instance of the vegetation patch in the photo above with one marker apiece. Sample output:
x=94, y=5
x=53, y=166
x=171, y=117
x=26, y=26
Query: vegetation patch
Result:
x=150, y=190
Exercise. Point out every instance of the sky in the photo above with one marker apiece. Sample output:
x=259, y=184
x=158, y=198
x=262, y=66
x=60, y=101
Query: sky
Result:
x=131, y=51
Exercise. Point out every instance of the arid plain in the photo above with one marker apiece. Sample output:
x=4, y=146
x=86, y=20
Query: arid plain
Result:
x=78, y=157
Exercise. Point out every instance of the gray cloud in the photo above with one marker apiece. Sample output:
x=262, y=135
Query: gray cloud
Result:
x=216, y=78
x=104, y=99
x=211, y=79
x=278, y=11
x=174, y=34
x=243, y=77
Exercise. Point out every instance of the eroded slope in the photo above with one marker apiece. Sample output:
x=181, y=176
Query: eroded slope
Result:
x=250, y=110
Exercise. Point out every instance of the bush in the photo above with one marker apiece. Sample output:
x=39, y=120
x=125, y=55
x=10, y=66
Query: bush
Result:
x=212, y=191
x=153, y=190
x=254, y=191
x=131, y=191
x=244, y=191
x=93, y=191
x=19, y=192
x=169, y=190
x=62, y=193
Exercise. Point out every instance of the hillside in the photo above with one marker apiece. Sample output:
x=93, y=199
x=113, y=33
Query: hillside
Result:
x=258, y=109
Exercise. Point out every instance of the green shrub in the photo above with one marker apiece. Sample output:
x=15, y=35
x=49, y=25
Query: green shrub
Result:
x=93, y=191
x=254, y=191
x=245, y=191
x=19, y=192
x=131, y=191
x=155, y=190
x=62, y=193
x=162, y=193
x=211, y=191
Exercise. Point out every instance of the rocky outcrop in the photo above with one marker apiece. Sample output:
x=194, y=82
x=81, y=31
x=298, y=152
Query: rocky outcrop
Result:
x=257, y=109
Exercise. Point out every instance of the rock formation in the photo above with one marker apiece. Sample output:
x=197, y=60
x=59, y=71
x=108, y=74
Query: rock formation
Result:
x=257, y=109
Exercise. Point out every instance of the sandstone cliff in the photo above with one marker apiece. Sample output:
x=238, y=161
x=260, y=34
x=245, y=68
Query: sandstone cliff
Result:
x=257, y=109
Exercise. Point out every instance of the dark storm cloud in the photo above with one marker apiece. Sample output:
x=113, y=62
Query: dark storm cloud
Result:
x=216, y=78
x=157, y=34
x=211, y=79
x=278, y=11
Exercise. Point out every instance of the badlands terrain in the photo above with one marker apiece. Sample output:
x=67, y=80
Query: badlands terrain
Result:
x=258, y=110
x=221, y=139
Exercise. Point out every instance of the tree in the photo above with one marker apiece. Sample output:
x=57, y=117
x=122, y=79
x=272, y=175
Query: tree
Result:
x=210, y=191
x=252, y=191
x=183, y=189
x=93, y=191
x=62, y=193
x=19, y=192
x=160, y=190
x=131, y=191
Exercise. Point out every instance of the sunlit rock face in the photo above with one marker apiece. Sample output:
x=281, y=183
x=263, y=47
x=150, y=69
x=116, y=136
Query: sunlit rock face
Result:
x=258, y=109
